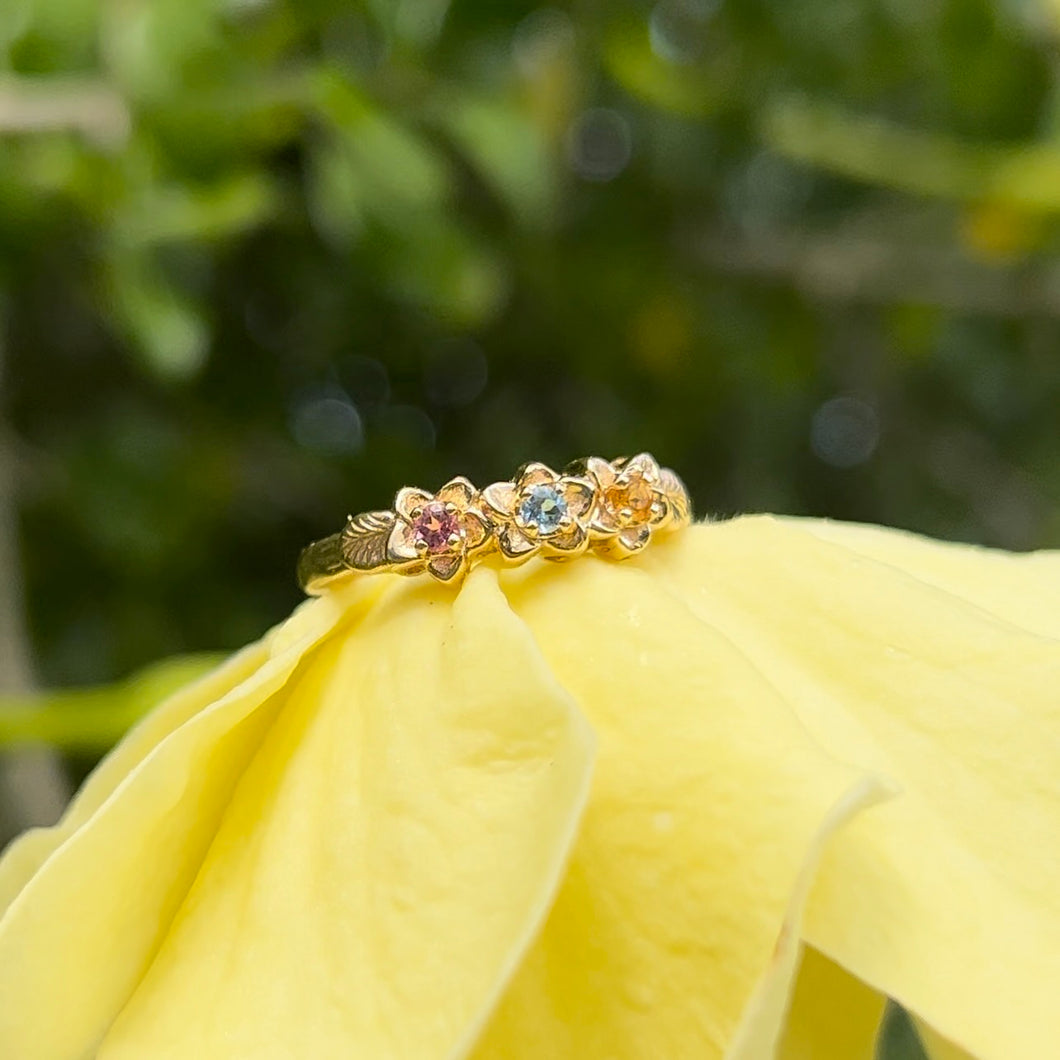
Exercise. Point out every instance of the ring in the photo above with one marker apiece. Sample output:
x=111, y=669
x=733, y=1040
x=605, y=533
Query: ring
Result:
x=610, y=507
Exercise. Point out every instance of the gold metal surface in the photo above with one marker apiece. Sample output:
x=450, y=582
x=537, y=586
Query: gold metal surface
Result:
x=613, y=508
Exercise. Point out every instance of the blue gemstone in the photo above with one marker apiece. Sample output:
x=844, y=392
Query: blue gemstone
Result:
x=545, y=506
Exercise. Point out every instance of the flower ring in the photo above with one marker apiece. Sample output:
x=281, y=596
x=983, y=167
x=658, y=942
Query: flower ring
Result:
x=613, y=507
x=541, y=511
x=441, y=531
x=637, y=497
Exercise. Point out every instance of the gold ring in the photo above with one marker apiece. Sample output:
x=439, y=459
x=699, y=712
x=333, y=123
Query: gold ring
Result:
x=612, y=507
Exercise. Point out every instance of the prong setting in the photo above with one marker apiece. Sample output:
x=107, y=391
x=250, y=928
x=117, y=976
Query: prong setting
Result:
x=614, y=507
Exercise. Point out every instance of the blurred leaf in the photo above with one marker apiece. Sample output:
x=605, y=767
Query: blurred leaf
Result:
x=167, y=327
x=442, y=268
x=880, y=152
x=691, y=91
x=63, y=30
x=172, y=213
x=898, y=1039
x=393, y=168
x=412, y=22
x=15, y=18
x=92, y=720
x=507, y=149
x=151, y=46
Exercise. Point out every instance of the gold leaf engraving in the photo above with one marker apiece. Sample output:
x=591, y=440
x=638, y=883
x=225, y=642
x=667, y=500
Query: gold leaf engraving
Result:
x=365, y=538
x=675, y=490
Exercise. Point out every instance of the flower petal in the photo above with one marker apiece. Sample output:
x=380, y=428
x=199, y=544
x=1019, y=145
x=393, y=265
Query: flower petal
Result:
x=569, y=542
x=458, y=491
x=601, y=470
x=580, y=495
x=814, y=648
x=743, y=676
x=133, y=841
x=514, y=543
x=938, y=1048
x=707, y=798
x=401, y=545
x=447, y=565
x=533, y=473
x=940, y=664
x=29, y=851
x=634, y=538
x=661, y=512
x=476, y=529
x=501, y=497
x=833, y=1015
x=409, y=500
x=1021, y=588
x=604, y=521
x=763, y=1022
x=645, y=464
x=388, y=855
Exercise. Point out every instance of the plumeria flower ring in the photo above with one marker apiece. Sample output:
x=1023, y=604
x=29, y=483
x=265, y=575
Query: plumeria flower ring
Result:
x=439, y=531
x=541, y=511
x=634, y=502
x=538, y=512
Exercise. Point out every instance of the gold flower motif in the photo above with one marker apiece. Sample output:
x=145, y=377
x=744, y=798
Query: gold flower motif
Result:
x=541, y=511
x=633, y=502
x=438, y=531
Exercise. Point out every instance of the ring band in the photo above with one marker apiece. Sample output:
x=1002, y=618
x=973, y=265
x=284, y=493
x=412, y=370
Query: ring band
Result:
x=611, y=507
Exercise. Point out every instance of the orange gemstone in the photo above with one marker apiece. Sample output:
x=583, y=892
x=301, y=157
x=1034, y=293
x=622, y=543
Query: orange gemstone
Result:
x=630, y=502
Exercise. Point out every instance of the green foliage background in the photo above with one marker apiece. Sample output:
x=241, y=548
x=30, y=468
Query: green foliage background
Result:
x=262, y=262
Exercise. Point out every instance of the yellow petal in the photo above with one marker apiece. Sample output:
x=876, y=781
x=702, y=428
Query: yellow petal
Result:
x=388, y=854
x=1021, y=588
x=743, y=677
x=833, y=1015
x=937, y=1047
x=707, y=801
x=939, y=666
x=92, y=900
x=765, y=1015
x=29, y=851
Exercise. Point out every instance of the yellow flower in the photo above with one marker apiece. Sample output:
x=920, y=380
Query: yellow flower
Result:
x=587, y=811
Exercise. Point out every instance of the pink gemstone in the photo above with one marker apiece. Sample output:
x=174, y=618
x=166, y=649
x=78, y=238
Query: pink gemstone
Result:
x=434, y=526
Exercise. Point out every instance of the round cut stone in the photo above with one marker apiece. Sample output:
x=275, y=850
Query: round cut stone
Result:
x=434, y=526
x=630, y=502
x=544, y=507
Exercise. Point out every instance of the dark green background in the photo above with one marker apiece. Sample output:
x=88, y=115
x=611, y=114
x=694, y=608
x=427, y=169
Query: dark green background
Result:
x=283, y=258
